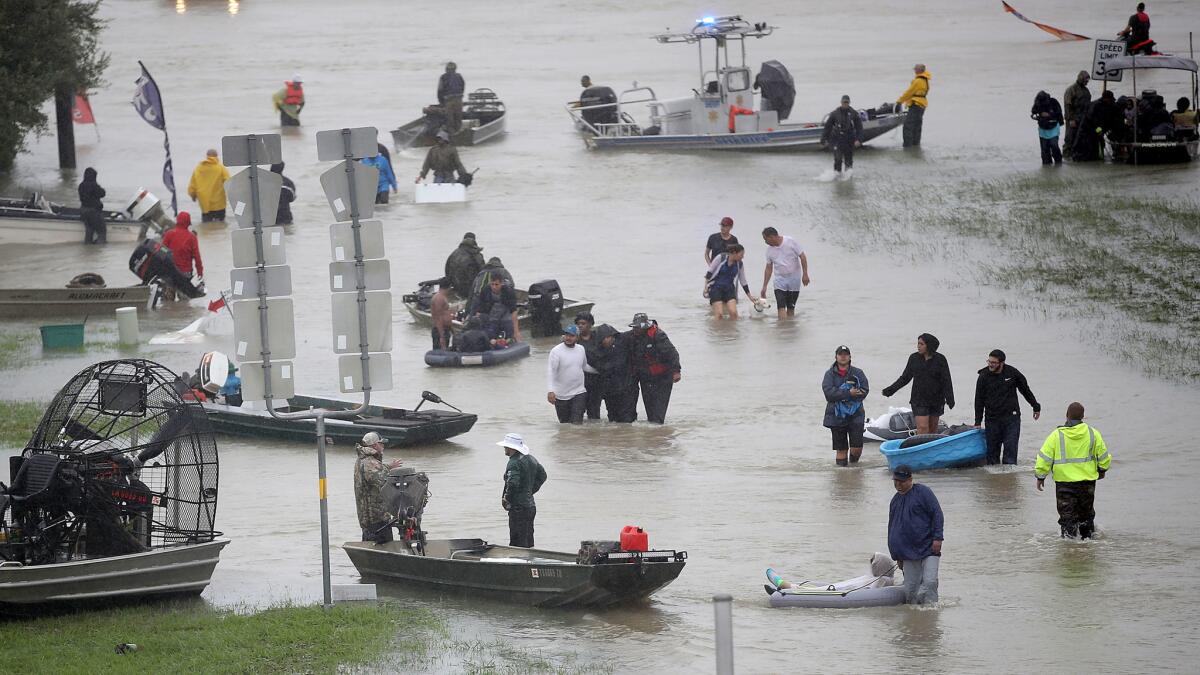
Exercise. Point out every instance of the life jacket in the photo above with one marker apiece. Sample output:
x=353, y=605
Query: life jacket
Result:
x=294, y=95
x=649, y=354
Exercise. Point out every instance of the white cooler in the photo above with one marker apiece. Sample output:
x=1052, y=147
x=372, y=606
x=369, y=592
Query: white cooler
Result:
x=439, y=193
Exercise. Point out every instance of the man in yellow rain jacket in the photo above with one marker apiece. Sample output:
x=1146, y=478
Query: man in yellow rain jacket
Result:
x=208, y=187
x=915, y=97
x=1075, y=453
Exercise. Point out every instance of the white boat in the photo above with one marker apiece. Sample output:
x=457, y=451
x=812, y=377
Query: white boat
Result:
x=720, y=115
x=37, y=220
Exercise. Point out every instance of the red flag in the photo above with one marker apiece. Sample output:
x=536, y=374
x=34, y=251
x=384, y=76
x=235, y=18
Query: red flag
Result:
x=81, y=112
x=217, y=304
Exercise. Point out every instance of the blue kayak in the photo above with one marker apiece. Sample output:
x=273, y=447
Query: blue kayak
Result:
x=965, y=449
x=448, y=359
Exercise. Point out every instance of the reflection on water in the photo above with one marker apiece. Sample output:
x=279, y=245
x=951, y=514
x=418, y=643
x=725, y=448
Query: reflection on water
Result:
x=919, y=632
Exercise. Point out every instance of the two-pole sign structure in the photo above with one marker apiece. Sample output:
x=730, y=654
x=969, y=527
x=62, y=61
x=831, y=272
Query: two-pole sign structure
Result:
x=261, y=283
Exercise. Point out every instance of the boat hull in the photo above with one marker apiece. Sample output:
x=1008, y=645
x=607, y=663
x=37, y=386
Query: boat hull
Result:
x=570, y=309
x=20, y=222
x=438, y=358
x=527, y=576
x=864, y=597
x=786, y=137
x=164, y=571
x=401, y=428
x=1159, y=152
x=959, y=450
x=38, y=302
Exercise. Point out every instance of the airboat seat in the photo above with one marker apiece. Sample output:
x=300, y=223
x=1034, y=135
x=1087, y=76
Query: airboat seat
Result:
x=34, y=478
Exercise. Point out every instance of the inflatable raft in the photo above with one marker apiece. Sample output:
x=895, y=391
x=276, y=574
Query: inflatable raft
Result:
x=875, y=589
x=438, y=358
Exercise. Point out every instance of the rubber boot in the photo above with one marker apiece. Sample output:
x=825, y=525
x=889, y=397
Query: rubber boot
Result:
x=842, y=462
x=1086, y=529
x=1070, y=531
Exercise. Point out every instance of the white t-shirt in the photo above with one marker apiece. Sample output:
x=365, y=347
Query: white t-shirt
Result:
x=785, y=264
x=564, y=373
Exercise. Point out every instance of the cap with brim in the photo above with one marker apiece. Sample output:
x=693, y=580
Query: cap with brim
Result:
x=842, y=349
x=515, y=442
x=902, y=473
x=373, y=437
x=570, y=330
x=639, y=321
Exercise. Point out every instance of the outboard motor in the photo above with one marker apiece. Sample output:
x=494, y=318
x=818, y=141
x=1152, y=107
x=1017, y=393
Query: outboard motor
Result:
x=153, y=263
x=545, y=308
x=406, y=493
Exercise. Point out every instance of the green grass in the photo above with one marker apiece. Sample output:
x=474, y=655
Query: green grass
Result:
x=13, y=347
x=193, y=638
x=18, y=419
x=1129, y=266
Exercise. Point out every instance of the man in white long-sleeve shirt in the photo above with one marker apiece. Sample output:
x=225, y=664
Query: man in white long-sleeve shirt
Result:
x=564, y=377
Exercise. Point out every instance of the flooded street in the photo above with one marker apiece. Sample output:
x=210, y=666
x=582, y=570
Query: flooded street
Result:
x=742, y=475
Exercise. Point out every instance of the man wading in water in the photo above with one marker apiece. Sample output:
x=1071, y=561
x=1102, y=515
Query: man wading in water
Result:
x=523, y=476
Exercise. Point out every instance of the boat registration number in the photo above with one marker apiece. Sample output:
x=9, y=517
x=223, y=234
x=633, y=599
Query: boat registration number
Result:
x=544, y=572
x=473, y=360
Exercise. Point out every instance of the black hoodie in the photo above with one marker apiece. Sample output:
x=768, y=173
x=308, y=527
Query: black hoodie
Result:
x=90, y=192
x=930, y=377
x=996, y=393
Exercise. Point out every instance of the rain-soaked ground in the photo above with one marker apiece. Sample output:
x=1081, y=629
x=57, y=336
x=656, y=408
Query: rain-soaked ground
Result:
x=741, y=476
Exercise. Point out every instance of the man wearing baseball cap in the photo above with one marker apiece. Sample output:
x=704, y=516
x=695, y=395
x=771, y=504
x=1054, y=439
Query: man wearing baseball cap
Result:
x=915, y=536
x=370, y=473
x=289, y=101
x=654, y=363
x=523, y=476
x=565, y=388
x=719, y=241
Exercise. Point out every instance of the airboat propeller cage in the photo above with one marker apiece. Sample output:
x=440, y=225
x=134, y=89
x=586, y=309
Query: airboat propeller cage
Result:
x=120, y=463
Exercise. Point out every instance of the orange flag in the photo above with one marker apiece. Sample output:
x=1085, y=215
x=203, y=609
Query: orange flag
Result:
x=81, y=112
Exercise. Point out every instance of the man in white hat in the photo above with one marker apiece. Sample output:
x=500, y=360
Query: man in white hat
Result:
x=370, y=473
x=289, y=101
x=523, y=476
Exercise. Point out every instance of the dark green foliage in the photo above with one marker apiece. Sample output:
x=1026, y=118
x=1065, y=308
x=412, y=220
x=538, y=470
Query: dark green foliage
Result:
x=47, y=45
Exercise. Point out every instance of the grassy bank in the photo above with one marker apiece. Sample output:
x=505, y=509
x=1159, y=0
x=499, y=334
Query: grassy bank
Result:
x=191, y=637
x=1128, y=266
x=18, y=419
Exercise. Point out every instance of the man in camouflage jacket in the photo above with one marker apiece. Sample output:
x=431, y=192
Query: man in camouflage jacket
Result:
x=370, y=473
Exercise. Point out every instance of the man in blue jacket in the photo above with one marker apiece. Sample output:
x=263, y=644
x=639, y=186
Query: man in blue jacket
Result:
x=915, y=536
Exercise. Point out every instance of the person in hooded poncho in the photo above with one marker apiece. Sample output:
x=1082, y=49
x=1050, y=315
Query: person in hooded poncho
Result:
x=932, y=390
x=91, y=209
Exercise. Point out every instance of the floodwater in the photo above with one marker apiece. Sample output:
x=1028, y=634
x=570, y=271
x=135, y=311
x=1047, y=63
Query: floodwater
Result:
x=742, y=476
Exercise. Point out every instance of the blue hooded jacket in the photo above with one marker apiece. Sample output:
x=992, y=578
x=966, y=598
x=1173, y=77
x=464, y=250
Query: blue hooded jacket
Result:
x=386, y=177
x=841, y=408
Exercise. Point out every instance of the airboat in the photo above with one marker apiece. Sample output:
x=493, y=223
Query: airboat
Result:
x=721, y=114
x=1155, y=146
x=115, y=495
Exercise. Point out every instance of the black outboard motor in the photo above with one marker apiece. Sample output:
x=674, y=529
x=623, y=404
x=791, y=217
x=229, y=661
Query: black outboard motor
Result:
x=152, y=262
x=594, y=96
x=406, y=493
x=545, y=308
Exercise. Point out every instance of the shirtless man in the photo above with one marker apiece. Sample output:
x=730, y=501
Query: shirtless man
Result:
x=439, y=310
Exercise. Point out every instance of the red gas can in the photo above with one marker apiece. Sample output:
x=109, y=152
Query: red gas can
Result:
x=634, y=538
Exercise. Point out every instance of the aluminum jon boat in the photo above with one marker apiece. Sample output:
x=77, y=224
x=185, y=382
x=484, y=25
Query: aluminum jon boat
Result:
x=484, y=118
x=35, y=302
x=37, y=220
x=936, y=451
x=721, y=114
x=527, y=576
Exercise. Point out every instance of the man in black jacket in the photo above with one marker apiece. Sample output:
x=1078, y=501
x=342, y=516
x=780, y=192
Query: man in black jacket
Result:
x=996, y=404
x=654, y=363
x=450, y=96
x=843, y=129
x=287, y=195
x=91, y=209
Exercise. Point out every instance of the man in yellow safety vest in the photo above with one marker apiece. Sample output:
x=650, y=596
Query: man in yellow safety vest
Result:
x=1077, y=456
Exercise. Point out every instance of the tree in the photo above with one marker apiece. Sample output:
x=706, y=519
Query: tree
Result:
x=50, y=47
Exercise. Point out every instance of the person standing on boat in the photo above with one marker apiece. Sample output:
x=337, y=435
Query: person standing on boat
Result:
x=1077, y=456
x=289, y=101
x=787, y=261
x=654, y=363
x=565, y=388
x=450, y=96
x=1075, y=102
x=370, y=474
x=996, y=404
x=443, y=160
x=843, y=128
x=916, y=96
x=185, y=248
x=386, y=177
x=1047, y=112
x=523, y=477
x=91, y=209
x=720, y=240
x=845, y=386
x=932, y=389
x=915, y=524
x=441, y=316
x=287, y=195
x=207, y=187
x=463, y=264
x=721, y=280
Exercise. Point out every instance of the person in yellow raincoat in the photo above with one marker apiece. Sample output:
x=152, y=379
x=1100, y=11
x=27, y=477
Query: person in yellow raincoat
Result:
x=208, y=187
x=915, y=97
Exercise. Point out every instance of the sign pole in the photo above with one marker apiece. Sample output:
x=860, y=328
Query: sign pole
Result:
x=321, y=485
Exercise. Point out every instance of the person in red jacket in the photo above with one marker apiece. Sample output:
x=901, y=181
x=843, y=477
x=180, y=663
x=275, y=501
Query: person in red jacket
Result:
x=184, y=246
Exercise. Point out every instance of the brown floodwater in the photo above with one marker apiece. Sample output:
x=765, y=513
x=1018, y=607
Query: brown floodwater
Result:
x=742, y=475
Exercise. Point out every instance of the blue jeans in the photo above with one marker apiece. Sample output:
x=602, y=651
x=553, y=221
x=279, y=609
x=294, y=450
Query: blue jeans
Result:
x=921, y=580
x=1002, y=431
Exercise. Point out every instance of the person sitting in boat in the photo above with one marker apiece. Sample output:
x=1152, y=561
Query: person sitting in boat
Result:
x=473, y=339
x=881, y=573
x=484, y=277
x=1137, y=32
x=496, y=307
x=443, y=160
x=463, y=265
x=370, y=474
x=1184, y=117
x=1154, y=120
